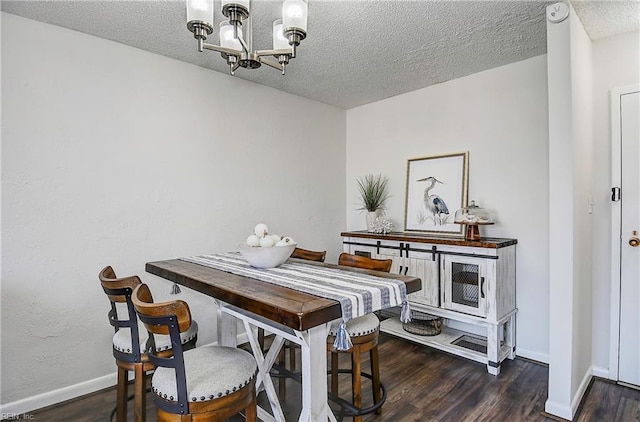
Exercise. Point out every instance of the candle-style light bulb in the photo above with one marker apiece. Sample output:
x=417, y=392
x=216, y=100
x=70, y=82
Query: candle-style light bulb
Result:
x=200, y=11
x=294, y=15
x=279, y=39
x=227, y=38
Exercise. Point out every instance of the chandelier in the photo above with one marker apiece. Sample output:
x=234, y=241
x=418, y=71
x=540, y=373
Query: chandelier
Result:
x=238, y=50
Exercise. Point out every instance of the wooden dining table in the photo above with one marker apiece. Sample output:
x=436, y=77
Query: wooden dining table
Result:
x=289, y=314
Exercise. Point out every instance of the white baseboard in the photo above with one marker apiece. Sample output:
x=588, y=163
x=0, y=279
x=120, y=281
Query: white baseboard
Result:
x=559, y=410
x=600, y=372
x=39, y=401
x=568, y=412
x=582, y=388
x=530, y=354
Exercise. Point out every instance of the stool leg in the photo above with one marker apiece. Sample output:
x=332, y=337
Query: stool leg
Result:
x=121, y=395
x=356, y=379
x=261, y=338
x=334, y=373
x=140, y=393
x=292, y=356
x=282, y=382
x=375, y=375
x=251, y=412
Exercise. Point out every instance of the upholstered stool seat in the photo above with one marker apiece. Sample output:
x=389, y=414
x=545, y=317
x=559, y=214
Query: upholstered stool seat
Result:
x=361, y=326
x=212, y=372
x=122, y=338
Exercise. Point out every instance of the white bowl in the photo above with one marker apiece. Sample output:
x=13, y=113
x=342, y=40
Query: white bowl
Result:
x=271, y=257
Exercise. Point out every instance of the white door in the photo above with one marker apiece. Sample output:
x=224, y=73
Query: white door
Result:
x=629, y=237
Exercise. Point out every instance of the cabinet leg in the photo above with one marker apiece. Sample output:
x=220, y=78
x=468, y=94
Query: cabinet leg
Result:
x=510, y=336
x=493, y=370
x=493, y=349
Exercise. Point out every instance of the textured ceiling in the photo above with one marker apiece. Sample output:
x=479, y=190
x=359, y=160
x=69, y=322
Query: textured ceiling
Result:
x=357, y=52
x=603, y=19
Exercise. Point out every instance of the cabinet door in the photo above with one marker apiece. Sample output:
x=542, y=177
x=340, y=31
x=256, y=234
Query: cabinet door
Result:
x=417, y=264
x=424, y=266
x=397, y=266
x=464, y=284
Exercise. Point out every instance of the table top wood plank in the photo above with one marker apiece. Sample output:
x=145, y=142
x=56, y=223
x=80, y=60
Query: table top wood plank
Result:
x=285, y=306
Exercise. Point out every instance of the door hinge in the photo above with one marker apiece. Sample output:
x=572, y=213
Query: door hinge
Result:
x=615, y=194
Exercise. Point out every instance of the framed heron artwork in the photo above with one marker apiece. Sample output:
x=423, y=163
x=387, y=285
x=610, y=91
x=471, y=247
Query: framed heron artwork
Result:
x=436, y=187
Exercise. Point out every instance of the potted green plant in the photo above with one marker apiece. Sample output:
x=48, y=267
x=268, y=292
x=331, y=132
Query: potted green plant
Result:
x=374, y=192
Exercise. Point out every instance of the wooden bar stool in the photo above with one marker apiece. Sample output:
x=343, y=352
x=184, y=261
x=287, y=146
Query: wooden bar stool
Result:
x=209, y=383
x=129, y=342
x=317, y=256
x=364, y=333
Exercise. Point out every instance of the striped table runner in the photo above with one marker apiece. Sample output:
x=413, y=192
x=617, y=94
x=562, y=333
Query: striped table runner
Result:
x=358, y=294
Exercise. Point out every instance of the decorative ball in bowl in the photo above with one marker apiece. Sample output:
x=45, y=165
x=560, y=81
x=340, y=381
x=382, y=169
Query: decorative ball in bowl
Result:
x=266, y=257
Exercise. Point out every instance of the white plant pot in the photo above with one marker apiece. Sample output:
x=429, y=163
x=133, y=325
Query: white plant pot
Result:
x=370, y=218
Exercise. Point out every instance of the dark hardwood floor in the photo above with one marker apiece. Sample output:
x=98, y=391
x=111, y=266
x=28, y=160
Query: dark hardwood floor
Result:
x=422, y=385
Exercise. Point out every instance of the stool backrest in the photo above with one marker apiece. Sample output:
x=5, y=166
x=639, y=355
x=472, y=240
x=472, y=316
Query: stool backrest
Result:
x=309, y=255
x=168, y=318
x=119, y=290
x=364, y=262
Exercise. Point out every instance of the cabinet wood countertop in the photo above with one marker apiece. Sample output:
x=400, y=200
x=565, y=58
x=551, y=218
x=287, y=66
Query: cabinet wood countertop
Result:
x=485, y=242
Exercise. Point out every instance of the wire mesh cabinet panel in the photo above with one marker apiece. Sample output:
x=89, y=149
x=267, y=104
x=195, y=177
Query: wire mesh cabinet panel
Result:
x=464, y=284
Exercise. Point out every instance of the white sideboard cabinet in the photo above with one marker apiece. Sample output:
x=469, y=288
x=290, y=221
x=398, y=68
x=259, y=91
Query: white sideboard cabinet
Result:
x=471, y=285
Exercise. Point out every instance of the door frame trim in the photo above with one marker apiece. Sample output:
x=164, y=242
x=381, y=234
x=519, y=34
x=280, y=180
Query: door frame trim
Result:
x=616, y=222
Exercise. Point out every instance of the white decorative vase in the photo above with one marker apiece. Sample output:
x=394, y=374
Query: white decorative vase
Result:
x=370, y=218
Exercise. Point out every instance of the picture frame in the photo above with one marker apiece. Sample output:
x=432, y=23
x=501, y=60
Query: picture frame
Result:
x=437, y=186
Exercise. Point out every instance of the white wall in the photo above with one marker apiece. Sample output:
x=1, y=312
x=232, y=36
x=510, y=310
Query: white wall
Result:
x=500, y=117
x=582, y=106
x=570, y=174
x=115, y=156
x=561, y=234
x=616, y=63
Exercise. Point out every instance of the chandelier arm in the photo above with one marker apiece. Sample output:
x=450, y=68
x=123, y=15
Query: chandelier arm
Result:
x=220, y=49
x=272, y=64
x=279, y=52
